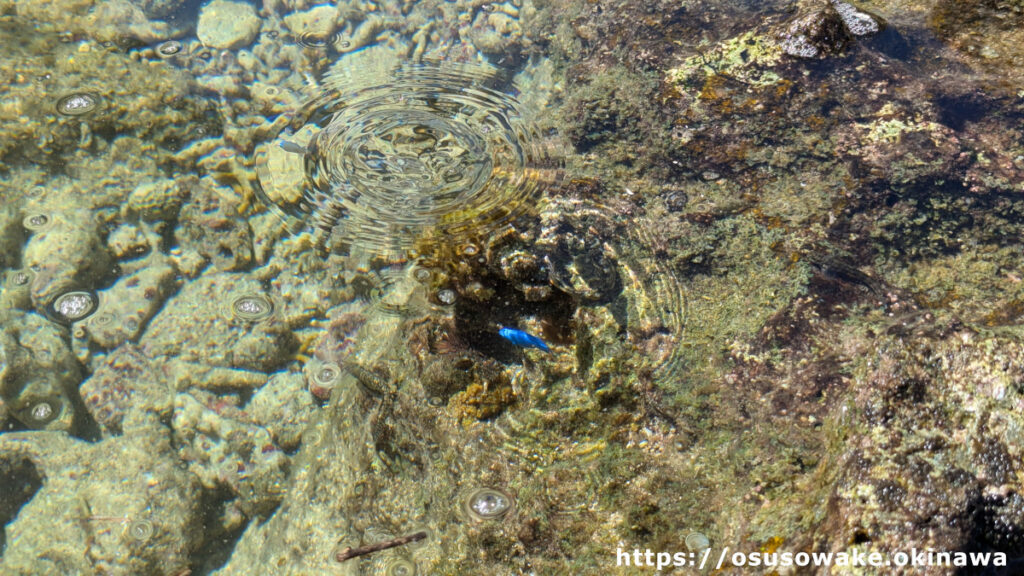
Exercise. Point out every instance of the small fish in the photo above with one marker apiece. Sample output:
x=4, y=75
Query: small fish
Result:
x=520, y=338
x=294, y=148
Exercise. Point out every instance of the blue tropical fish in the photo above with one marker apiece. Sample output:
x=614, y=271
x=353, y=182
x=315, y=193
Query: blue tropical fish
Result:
x=523, y=339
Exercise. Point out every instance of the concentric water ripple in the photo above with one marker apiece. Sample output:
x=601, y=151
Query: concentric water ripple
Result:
x=428, y=155
x=659, y=296
x=655, y=295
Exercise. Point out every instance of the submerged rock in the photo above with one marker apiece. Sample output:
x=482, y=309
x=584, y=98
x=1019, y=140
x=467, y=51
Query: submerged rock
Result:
x=160, y=9
x=66, y=253
x=210, y=230
x=126, y=391
x=319, y=22
x=283, y=408
x=576, y=244
x=12, y=236
x=126, y=307
x=826, y=27
x=228, y=25
x=121, y=506
x=226, y=451
x=210, y=324
x=157, y=200
x=494, y=33
x=38, y=374
x=956, y=447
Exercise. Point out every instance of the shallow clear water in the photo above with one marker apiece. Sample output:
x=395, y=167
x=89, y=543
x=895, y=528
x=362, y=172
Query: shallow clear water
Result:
x=522, y=287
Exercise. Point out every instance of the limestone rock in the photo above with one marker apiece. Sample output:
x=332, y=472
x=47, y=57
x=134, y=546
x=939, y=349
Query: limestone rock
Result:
x=227, y=25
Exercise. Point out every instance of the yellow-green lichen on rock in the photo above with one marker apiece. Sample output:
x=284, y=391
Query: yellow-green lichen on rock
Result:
x=747, y=58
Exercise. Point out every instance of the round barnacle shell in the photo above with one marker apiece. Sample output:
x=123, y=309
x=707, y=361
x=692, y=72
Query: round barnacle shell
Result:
x=322, y=378
x=697, y=542
x=37, y=222
x=140, y=530
x=168, y=49
x=422, y=275
x=313, y=436
x=487, y=504
x=446, y=296
x=269, y=91
x=17, y=289
x=20, y=278
x=103, y=319
x=400, y=567
x=251, y=308
x=73, y=306
x=78, y=104
x=42, y=412
x=37, y=413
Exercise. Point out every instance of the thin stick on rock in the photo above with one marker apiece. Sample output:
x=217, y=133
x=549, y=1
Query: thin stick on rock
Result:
x=350, y=553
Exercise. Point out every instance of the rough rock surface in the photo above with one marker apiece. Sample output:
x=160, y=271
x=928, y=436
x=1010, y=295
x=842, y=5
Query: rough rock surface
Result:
x=227, y=25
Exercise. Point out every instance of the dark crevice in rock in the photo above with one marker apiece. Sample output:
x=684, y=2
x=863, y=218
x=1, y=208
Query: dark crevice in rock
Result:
x=20, y=481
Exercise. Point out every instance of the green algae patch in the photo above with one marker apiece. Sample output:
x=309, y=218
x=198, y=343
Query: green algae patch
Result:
x=746, y=58
x=978, y=287
x=745, y=283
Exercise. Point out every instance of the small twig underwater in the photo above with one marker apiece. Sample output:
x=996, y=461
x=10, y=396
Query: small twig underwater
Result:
x=350, y=553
